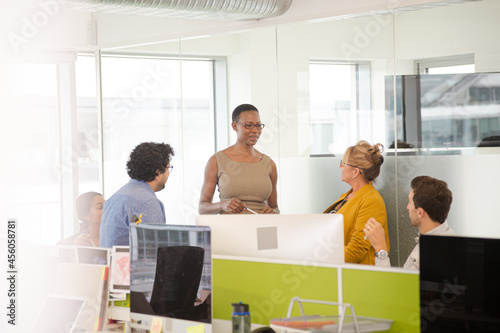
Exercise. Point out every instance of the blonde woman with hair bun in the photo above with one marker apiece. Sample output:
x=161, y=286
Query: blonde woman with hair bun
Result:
x=359, y=167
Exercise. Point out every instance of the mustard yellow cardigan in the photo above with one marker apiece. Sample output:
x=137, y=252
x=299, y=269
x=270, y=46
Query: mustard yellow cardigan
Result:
x=366, y=203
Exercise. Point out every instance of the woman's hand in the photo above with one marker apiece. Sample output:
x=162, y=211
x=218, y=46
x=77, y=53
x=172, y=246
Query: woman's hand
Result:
x=234, y=206
x=375, y=233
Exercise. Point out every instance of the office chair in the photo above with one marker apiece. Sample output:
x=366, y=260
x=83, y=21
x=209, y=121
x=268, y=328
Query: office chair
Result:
x=178, y=275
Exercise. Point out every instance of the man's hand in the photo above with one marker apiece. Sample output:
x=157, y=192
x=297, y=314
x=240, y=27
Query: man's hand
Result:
x=375, y=233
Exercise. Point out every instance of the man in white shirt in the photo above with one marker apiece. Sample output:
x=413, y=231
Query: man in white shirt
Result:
x=428, y=205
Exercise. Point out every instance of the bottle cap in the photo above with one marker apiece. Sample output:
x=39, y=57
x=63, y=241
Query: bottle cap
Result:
x=240, y=308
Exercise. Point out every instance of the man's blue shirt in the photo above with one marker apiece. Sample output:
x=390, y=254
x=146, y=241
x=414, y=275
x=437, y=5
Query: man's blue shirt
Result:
x=134, y=198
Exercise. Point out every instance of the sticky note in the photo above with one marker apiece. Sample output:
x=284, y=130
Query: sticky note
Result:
x=156, y=325
x=196, y=329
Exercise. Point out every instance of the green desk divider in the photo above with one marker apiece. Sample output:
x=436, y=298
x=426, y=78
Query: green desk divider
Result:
x=124, y=303
x=268, y=288
x=386, y=295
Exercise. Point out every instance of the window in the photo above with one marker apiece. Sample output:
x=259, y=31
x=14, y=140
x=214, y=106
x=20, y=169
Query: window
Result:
x=87, y=146
x=446, y=65
x=32, y=172
x=53, y=137
x=161, y=99
x=338, y=90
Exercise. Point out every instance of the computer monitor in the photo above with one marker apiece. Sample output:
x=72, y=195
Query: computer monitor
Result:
x=306, y=239
x=89, y=281
x=59, y=313
x=93, y=255
x=120, y=269
x=167, y=261
x=459, y=284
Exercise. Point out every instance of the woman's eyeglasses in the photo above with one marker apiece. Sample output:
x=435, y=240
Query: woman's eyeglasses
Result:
x=249, y=125
x=344, y=164
x=170, y=167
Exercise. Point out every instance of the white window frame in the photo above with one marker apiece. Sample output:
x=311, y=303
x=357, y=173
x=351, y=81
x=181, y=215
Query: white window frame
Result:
x=422, y=65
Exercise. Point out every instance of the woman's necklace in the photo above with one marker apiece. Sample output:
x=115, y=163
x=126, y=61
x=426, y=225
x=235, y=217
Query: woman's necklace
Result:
x=340, y=204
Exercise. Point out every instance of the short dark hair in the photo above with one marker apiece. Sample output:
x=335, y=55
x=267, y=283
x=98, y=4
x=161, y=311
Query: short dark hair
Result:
x=147, y=158
x=433, y=195
x=242, y=108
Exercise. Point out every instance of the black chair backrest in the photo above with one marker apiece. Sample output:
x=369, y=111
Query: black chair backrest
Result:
x=177, y=279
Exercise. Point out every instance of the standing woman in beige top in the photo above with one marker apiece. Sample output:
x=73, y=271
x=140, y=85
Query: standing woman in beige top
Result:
x=244, y=176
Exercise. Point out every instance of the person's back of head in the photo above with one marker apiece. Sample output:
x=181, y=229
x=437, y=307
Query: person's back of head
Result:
x=368, y=158
x=147, y=159
x=433, y=196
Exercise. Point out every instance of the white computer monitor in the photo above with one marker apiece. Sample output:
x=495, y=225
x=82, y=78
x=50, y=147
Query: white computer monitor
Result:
x=59, y=313
x=307, y=239
x=89, y=281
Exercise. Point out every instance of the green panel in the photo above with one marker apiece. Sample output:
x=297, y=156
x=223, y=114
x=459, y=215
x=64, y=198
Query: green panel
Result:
x=124, y=303
x=384, y=295
x=268, y=288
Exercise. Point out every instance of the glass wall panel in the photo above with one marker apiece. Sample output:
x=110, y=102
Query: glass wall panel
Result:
x=31, y=144
x=244, y=72
x=143, y=106
x=88, y=145
x=51, y=138
x=426, y=76
x=163, y=99
x=446, y=116
x=332, y=90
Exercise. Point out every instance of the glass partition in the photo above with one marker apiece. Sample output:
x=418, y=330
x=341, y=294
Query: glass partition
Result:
x=422, y=81
x=190, y=109
x=426, y=76
x=144, y=105
x=32, y=147
x=331, y=80
x=244, y=72
x=452, y=112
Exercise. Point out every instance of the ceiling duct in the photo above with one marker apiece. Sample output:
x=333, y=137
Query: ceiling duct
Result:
x=192, y=9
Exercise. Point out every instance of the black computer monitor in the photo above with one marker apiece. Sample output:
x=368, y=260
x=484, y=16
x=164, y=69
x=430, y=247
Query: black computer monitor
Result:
x=459, y=284
x=170, y=276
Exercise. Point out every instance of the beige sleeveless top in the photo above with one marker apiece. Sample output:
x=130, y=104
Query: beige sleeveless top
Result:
x=249, y=182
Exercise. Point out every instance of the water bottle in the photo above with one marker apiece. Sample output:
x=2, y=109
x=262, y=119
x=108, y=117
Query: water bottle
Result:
x=241, y=318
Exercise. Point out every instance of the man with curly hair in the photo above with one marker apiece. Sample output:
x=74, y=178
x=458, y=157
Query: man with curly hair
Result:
x=149, y=168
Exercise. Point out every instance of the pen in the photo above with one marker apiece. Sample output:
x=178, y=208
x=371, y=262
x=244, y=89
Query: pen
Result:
x=251, y=211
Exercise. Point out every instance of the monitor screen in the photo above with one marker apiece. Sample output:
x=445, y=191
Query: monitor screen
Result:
x=306, y=239
x=59, y=314
x=89, y=281
x=120, y=269
x=170, y=274
x=93, y=255
x=459, y=284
